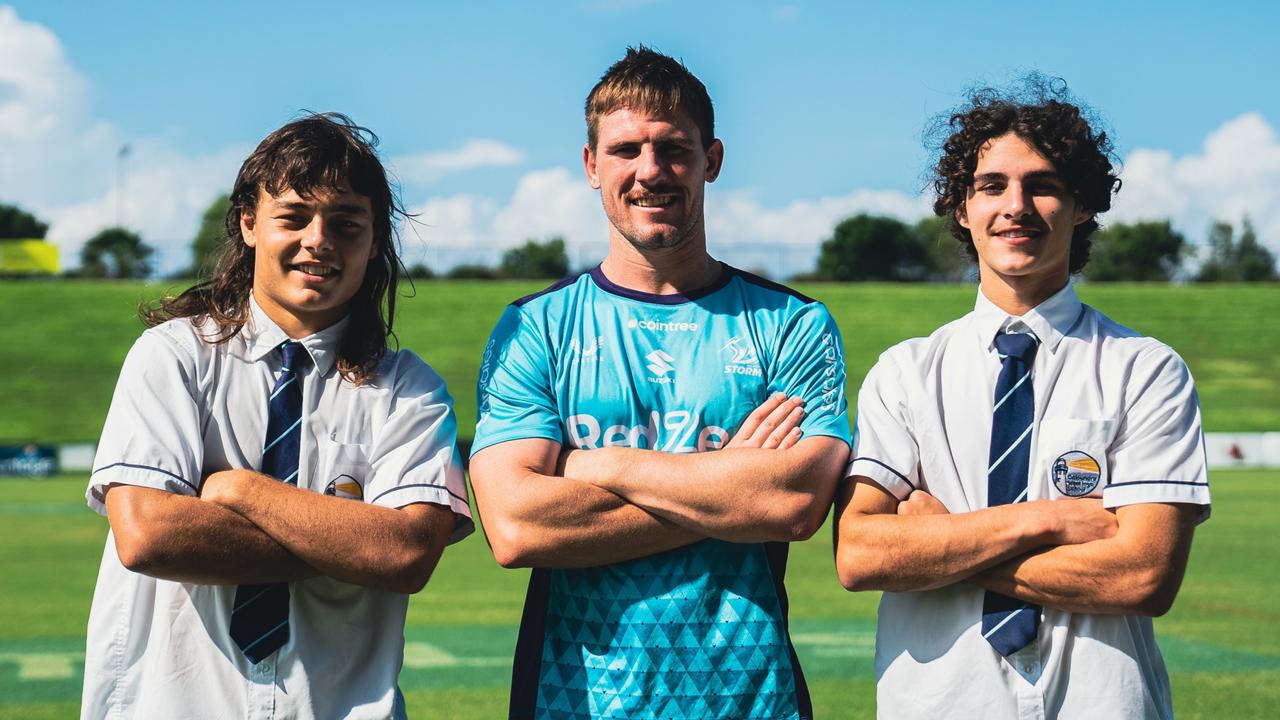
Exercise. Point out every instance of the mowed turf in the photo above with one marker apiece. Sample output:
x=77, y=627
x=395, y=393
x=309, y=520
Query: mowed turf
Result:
x=1221, y=641
x=62, y=342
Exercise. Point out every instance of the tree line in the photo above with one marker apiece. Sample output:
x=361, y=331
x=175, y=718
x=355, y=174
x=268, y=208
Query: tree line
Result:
x=861, y=248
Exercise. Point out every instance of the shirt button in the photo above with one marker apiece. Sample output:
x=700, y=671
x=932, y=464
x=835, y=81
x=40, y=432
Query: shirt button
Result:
x=1028, y=668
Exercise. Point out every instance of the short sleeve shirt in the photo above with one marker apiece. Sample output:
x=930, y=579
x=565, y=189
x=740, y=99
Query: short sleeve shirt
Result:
x=1116, y=417
x=184, y=408
x=697, y=632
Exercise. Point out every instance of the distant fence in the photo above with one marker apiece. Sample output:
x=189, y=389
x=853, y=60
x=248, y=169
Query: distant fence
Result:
x=1225, y=450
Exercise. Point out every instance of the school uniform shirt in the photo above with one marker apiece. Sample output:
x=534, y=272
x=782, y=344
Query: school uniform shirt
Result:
x=1116, y=417
x=185, y=407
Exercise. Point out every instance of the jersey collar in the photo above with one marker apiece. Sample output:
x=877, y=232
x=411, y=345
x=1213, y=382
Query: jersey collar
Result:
x=609, y=286
x=1049, y=321
x=262, y=336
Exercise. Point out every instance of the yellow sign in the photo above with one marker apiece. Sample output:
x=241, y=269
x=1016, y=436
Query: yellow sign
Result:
x=28, y=256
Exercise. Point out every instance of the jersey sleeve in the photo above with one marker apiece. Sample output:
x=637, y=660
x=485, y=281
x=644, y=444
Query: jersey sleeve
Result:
x=884, y=447
x=1158, y=454
x=152, y=436
x=514, y=396
x=415, y=456
x=810, y=364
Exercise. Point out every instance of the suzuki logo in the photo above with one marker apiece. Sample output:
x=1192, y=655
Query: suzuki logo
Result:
x=659, y=363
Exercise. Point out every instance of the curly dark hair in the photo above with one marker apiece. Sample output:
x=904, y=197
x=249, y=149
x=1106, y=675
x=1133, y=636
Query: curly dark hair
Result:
x=1043, y=115
x=320, y=152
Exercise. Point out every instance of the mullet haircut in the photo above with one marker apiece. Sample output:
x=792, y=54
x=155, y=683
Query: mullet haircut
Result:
x=318, y=153
x=646, y=80
x=1043, y=115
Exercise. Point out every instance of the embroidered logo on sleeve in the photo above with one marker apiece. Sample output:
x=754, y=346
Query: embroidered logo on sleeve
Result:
x=1076, y=473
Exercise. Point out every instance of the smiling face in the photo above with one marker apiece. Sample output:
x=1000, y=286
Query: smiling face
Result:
x=1021, y=215
x=651, y=172
x=310, y=255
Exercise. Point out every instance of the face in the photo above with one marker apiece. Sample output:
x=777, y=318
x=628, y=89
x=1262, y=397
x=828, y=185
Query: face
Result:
x=1020, y=213
x=310, y=255
x=651, y=172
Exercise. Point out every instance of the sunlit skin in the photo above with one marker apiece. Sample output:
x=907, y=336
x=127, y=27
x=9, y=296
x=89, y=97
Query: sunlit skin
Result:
x=1021, y=215
x=651, y=172
x=310, y=255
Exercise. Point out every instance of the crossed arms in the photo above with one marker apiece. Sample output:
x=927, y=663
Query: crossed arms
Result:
x=250, y=528
x=1070, y=554
x=544, y=508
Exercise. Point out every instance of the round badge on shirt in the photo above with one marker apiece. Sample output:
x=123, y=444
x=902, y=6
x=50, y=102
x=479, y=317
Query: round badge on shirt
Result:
x=1076, y=473
x=345, y=486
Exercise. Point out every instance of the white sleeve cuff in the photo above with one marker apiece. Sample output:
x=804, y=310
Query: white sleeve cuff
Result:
x=1158, y=491
x=886, y=476
x=122, y=473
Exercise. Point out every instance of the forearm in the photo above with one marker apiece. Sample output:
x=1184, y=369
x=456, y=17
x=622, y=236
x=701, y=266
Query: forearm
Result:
x=735, y=494
x=185, y=539
x=555, y=522
x=393, y=549
x=1136, y=572
x=905, y=553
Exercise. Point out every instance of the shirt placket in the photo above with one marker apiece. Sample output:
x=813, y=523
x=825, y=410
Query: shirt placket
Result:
x=1026, y=662
x=261, y=693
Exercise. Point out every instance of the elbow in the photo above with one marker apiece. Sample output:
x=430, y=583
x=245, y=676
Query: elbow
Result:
x=410, y=571
x=138, y=551
x=852, y=569
x=797, y=518
x=1152, y=593
x=510, y=545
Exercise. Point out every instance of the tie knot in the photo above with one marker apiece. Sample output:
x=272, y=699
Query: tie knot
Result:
x=1019, y=345
x=291, y=355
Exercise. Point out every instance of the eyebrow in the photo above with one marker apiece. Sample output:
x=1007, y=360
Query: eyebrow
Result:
x=1038, y=175
x=347, y=208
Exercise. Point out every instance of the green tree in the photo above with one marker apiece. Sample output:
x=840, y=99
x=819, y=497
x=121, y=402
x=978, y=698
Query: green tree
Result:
x=947, y=259
x=869, y=247
x=18, y=224
x=1230, y=261
x=205, y=247
x=116, y=253
x=536, y=260
x=1145, y=251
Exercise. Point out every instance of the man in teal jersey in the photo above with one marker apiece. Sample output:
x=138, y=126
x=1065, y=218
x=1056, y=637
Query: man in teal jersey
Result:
x=657, y=585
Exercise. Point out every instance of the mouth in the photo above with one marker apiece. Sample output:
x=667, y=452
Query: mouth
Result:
x=655, y=201
x=315, y=271
x=1019, y=234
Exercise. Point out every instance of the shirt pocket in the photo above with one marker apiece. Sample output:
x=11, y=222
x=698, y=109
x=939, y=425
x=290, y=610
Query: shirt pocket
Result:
x=344, y=469
x=1072, y=456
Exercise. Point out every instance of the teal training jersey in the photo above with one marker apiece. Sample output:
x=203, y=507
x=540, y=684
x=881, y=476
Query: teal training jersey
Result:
x=700, y=631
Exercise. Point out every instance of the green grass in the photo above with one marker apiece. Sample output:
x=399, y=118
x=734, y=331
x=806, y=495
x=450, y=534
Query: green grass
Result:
x=1221, y=641
x=77, y=332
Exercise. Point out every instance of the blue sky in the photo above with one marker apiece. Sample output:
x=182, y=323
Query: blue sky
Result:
x=479, y=105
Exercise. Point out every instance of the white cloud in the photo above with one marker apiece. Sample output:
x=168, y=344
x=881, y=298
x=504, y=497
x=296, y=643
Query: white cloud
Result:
x=430, y=167
x=1235, y=173
x=58, y=161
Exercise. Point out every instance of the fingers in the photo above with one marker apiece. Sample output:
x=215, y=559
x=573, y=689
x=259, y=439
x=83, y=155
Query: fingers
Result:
x=769, y=426
x=920, y=502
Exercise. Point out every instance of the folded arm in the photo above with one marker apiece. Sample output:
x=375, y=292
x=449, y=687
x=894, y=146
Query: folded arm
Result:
x=1135, y=572
x=392, y=549
x=536, y=518
x=185, y=539
x=882, y=544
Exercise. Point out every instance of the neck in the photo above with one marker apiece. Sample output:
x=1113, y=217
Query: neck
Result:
x=1017, y=295
x=297, y=326
x=667, y=271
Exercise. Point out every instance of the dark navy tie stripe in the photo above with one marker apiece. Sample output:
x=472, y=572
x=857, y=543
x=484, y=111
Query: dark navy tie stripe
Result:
x=1007, y=623
x=260, y=614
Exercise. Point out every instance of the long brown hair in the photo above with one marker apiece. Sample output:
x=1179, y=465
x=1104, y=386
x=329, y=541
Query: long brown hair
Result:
x=320, y=152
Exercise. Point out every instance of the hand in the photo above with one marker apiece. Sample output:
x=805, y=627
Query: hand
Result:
x=221, y=487
x=775, y=425
x=1083, y=520
x=920, y=502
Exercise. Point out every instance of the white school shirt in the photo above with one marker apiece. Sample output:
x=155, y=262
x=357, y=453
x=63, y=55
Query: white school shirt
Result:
x=183, y=409
x=1116, y=417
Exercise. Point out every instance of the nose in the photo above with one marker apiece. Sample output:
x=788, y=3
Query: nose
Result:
x=1017, y=201
x=649, y=165
x=315, y=236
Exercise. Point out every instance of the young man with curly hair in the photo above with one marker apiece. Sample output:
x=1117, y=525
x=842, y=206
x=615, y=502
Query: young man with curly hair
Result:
x=277, y=480
x=1025, y=481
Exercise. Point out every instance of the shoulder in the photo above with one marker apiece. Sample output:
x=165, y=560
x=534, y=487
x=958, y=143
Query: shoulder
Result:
x=922, y=353
x=766, y=288
x=1120, y=346
x=404, y=373
x=550, y=295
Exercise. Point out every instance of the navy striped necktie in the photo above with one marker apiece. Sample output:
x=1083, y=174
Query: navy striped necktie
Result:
x=1007, y=623
x=260, y=615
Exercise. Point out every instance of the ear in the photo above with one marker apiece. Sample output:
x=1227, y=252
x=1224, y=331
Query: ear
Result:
x=589, y=166
x=1082, y=215
x=247, y=224
x=962, y=216
x=715, y=160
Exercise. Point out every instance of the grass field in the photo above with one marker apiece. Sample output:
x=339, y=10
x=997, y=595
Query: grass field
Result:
x=1221, y=642
x=1229, y=335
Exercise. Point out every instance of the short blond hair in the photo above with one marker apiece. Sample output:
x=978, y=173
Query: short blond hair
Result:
x=648, y=80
